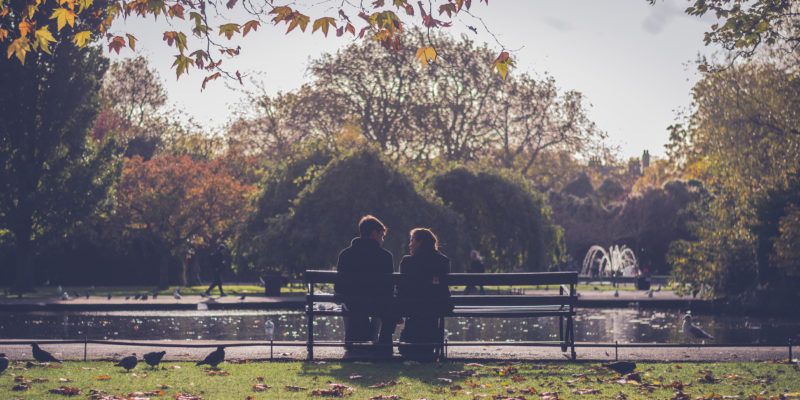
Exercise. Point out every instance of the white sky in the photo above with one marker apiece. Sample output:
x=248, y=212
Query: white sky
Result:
x=632, y=61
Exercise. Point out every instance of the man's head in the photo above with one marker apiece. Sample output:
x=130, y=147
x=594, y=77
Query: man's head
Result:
x=372, y=228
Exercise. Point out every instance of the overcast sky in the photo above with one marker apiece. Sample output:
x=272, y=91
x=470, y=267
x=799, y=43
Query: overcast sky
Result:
x=633, y=61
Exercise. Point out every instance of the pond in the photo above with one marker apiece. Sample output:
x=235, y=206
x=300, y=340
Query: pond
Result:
x=626, y=325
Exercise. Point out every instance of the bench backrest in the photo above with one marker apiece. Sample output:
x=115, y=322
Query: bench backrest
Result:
x=566, y=294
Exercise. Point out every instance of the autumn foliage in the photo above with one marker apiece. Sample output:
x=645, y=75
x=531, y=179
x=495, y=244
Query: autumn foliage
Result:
x=177, y=200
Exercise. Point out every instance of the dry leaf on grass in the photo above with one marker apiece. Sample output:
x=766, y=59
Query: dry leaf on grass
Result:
x=103, y=377
x=187, y=396
x=294, y=388
x=260, y=387
x=382, y=384
x=335, y=390
x=66, y=391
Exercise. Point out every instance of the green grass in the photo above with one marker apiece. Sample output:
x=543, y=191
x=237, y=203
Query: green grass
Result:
x=414, y=381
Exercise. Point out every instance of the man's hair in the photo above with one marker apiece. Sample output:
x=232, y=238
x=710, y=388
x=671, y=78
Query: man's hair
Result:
x=426, y=237
x=369, y=224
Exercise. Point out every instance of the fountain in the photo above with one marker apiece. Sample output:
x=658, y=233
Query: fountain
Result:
x=617, y=261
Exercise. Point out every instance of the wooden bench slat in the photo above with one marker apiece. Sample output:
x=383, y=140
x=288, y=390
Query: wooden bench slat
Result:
x=468, y=300
x=463, y=279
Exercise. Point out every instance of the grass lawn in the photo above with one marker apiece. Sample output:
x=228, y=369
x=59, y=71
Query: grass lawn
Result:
x=297, y=380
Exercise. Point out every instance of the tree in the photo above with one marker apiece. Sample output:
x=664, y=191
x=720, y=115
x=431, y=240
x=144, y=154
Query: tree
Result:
x=315, y=225
x=742, y=139
x=744, y=26
x=506, y=220
x=177, y=204
x=53, y=173
x=83, y=21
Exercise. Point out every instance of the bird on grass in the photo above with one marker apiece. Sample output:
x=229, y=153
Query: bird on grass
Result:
x=3, y=362
x=693, y=331
x=154, y=358
x=621, y=367
x=214, y=358
x=128, y=362
x=41, y=355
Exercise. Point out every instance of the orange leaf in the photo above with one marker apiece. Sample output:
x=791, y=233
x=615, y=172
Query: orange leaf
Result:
x=116, y=44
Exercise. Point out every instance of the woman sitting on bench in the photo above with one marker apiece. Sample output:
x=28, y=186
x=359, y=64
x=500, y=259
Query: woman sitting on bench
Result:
x=424, y=290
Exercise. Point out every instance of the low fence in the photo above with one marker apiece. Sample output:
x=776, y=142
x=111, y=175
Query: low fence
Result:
x=448, y=344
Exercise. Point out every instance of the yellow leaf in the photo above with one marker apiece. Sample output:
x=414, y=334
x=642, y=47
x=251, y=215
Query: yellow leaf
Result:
x=32, y=10
x=84, y=4
x=44, y=38
x=20, y=48
x=323, y=23
x=228, y=30
x=24, y=28
x=3, y=34
x=131, y=41
x=426, y=55
x=81, y=38
x=250, y=25
x=63, y=16
x=299, y=20
x=181, y=64
x=502, y=64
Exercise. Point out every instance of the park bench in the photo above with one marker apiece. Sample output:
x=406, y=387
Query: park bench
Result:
x=561, y=304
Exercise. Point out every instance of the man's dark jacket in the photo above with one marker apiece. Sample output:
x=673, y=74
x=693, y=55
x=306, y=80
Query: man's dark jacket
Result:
x=365, y=269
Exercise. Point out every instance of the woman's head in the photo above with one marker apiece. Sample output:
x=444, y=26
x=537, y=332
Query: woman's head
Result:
x=422, y=239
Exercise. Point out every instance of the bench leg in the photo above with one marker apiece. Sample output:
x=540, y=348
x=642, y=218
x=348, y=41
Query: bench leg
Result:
x=561, y=336
x=310, y=339
x=571, y=336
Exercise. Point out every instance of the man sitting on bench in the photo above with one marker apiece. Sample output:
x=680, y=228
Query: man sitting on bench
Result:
x=365, y=269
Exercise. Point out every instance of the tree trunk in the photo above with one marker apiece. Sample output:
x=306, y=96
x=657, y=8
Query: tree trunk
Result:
x=24, y=278
x=163, y=270
x=194, y=271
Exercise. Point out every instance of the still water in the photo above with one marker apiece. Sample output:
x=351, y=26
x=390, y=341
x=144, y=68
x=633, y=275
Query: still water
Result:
x=625, y=325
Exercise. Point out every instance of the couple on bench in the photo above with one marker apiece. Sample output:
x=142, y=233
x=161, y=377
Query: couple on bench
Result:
x=365, y=281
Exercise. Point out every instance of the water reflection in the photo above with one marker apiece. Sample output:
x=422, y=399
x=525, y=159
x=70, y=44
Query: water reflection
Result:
x=592, y=325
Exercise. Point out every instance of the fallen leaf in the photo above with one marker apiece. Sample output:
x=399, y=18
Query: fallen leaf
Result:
x=294, y=388
x=66, y=391
x=260, y=387
x=103, y=377
x=382, y=384
x=586, y=391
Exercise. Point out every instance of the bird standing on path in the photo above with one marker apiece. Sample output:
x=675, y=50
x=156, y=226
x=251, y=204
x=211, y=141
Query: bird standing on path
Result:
x=214, y=358
x=177, y=294
x=693, y=331
x=3, y=362
x=621, y=367
x=65, y=296
x=41, y=355
x=128, y=362
x=154, y=358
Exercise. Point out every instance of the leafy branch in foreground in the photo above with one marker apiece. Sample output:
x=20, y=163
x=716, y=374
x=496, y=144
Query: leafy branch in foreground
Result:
x=195, y=31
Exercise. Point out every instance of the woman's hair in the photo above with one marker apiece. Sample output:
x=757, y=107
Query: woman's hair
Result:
x=476, y=255
x=426, y=238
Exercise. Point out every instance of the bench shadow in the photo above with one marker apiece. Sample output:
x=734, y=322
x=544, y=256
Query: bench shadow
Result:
x=363, y=374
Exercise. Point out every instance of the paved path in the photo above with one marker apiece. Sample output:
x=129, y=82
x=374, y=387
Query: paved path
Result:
x=103, y=352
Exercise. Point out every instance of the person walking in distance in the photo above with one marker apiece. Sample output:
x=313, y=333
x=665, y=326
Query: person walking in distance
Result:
x=220, y=260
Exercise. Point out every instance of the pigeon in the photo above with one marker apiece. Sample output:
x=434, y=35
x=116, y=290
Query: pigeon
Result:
x=87, y=294
x=155, y=294
x=694, y=331
x=60, y=289
x=109, y=297
x=658, y=289
x=137, y=297
x=214, y=358
x=76, y=294
x=65, y=296
x=621, y=367
x=649, y=293
x=154, y=358
x=127, y=297
x=128, y=362
x=3, y=362
x=243, y=297
x=41, y=355
x=144, y=296
x=616, y=293
x=176, y=294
